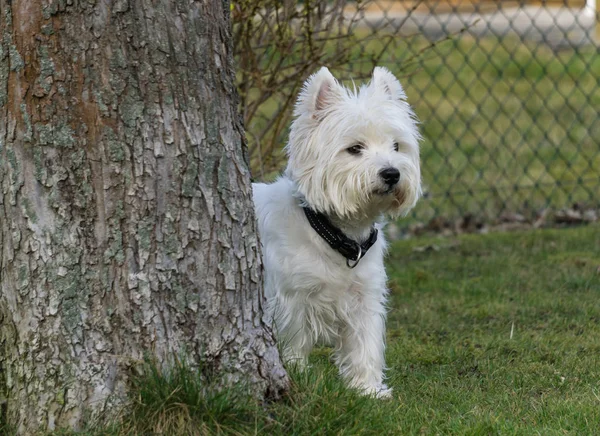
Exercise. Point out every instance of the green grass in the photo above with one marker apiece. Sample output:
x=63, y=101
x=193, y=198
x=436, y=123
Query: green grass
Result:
x=458, y=369
x=487, y=334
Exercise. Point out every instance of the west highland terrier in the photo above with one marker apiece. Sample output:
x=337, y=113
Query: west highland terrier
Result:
x=353, y=158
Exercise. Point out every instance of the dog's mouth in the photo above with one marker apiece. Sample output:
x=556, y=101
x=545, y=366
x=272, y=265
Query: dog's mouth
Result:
x=394, y=193
x=386, y=191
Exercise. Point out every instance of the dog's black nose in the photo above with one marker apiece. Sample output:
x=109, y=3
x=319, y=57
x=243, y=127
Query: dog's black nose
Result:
x=390, y=176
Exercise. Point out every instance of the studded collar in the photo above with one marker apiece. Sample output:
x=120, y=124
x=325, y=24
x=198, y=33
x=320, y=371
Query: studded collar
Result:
x=352, y=250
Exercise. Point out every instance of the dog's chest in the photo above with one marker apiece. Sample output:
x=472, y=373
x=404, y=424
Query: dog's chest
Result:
x=321, y=274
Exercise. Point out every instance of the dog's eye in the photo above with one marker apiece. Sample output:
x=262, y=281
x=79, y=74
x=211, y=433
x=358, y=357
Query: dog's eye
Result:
x=396, y=146
x=355, y=149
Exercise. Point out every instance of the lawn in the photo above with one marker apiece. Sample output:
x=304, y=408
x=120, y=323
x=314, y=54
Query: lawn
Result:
x=497, y=333
x=487, y=334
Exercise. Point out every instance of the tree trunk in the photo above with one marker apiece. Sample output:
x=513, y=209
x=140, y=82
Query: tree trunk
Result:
x=126, y=220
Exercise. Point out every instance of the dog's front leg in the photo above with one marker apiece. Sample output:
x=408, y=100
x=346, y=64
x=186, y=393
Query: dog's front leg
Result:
x=294, y=334
x=360, y=351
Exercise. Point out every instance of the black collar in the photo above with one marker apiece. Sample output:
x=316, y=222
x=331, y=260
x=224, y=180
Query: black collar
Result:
x=349, y=248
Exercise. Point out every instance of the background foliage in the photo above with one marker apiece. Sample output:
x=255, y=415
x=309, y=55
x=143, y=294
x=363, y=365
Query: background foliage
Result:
x=507, y=93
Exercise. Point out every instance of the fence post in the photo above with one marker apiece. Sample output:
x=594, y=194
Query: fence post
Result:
x=597, y=12
x=593, y=7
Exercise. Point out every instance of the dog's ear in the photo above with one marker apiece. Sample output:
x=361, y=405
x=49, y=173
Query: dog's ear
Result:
x=387, y=83
x=319, y=93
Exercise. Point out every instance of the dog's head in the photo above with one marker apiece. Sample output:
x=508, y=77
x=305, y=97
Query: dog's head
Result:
x=355, y=153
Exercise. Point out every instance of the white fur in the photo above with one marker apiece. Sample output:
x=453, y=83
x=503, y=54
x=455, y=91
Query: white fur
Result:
x=312, y=295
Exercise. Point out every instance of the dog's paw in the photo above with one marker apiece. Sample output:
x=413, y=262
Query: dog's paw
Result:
x=381, y=391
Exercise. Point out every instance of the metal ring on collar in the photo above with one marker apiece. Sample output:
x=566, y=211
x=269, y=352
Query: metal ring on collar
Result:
x=351, y=266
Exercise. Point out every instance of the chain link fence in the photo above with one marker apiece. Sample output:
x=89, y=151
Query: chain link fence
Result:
x=507, y=92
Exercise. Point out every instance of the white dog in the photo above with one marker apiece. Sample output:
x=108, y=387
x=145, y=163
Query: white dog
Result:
x=353, y=158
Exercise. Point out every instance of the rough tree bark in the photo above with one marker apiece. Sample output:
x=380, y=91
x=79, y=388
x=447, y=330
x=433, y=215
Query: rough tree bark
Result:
x=126, y=219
